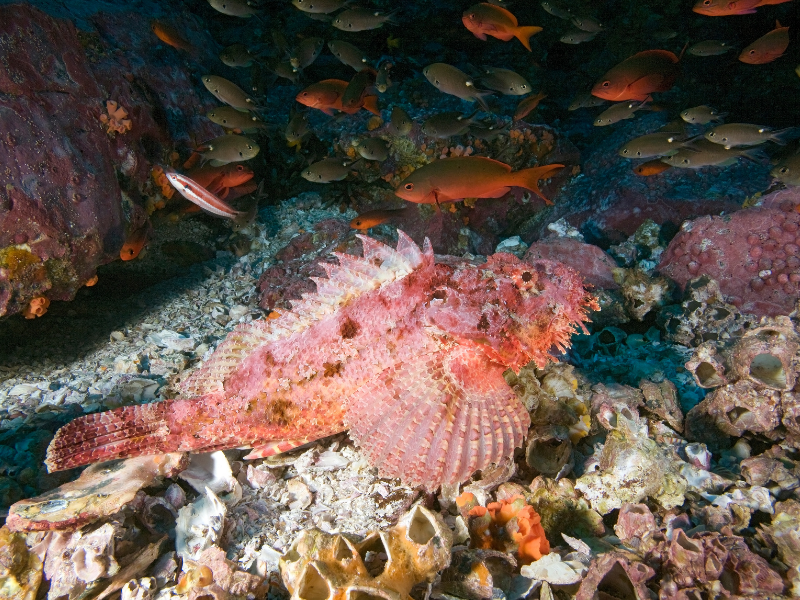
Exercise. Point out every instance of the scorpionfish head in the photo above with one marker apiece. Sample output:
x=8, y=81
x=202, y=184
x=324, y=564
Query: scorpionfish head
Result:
x=516, y=311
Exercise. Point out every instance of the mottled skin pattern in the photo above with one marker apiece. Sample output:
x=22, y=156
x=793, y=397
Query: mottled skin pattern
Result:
x=407, y=354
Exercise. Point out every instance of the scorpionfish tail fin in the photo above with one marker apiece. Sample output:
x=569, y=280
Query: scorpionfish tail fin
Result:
x=121, y=433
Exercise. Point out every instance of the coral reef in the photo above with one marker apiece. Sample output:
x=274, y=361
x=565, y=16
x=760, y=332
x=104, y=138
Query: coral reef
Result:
x=759, y=277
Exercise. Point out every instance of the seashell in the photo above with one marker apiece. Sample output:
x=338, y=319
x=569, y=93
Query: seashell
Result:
x=212, y=470
x=549, y=451
x=766, y=356
x=618, y=576
x=555, y=571
x=139, y=589
x=323, y=565
x=199, y=525
x=698, y=455
x=706, y=366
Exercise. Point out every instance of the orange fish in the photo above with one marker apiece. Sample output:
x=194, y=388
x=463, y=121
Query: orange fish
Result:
x=327, y=95
x=768, y=47
x=219, y=180
x=637, y=77
x=651, y=167
x=527, y=105
x=373, y=218
x=135, y=242
x=453, y=179
x=722, y=8
x=169, y=35
x=489, y=19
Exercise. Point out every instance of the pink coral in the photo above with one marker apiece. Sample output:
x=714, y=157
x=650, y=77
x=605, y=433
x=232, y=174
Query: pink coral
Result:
x=754, y=255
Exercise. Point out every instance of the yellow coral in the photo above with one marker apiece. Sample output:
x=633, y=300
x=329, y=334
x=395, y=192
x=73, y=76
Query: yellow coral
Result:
x=36, y=307
x=116, y=120
x=158, y=175
x=16, y=259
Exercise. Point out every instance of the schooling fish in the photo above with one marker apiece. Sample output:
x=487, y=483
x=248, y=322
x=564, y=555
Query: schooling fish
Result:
x=227, y=149
x=170, y=35
x=373, y=148
x=651, y=167
x=373, y=218
x=585, y=100
x=319, y=6
x=327, y=95
x=296, y=130
x=722, y=8
x=703, y=153
x=196, y=193
x=788, y=170
x=746, y=134
x=361, y=19
x=577, y=37
x=306, y=52
x=527, y=105
x=557, y=10
x=453, y=81
x=135, y=242
x=709, y=48
x=235, y=8
x=652, y=145
x=453, y=179
x=233, y=118
x=617, y=112
x=700, y=115
x=348, y=54
x=488, y=19
x=283, y=69
x=382, y=81
x=237, y=56
x=328, y=170
x=447, y=124
x=588, y=24
x=228, y=92
x=767, y=48
x=637, y=77
x=356, y=91
x=505, y=81
x=400, y=122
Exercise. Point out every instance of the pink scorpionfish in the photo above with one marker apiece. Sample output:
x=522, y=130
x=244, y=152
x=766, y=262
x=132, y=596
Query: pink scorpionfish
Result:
x=406, y=353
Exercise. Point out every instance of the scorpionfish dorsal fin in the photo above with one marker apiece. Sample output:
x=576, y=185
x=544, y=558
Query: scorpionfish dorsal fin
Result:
x=350, y=278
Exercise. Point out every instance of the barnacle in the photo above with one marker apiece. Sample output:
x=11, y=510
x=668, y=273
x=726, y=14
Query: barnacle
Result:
x=116, y=120
x=36, y=307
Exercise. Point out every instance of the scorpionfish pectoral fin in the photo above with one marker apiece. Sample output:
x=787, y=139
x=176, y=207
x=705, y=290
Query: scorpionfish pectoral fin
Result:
x=438, y=417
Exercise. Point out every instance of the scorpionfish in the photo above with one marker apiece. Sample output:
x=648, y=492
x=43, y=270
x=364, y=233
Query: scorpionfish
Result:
x=406, y=353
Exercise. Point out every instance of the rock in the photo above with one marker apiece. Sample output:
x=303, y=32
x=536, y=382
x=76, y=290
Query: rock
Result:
x=595, y=266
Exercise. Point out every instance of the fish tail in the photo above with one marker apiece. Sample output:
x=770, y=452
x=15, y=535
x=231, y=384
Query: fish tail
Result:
x=529, y=178
x=523, y=34
x=781, y=136
x=121, y=433
x=371, y=104
x=479, y=98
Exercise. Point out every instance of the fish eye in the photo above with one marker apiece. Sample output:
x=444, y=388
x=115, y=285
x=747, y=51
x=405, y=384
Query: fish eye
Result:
x=526, y=276
x=240, y=167
x=686, y=161
x=524, y=87
x=711, y=134
x=724, y=139
x=638, y=154
x=707, y=2
x=240, y=154
x=783, y=170
x=472, y=16
x=752, y=52
x=606, y=83
x=408, y=186
x=624, y=150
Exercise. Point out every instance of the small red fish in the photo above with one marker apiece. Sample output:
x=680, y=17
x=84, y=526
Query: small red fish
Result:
x=489, y=19
x=723, y=8
x=373, y=218
x=135, y=242
x=768, y=47
x=219, y=180
x=637, y=77
x=327, y=96
x=527, y=105
x=170, y=35
x=651, y=167
x=196, y=193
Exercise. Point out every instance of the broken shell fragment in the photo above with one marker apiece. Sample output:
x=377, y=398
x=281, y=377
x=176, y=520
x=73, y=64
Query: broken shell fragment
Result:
x=101, y=490
x=321, y=566
x=706, y=366
x=766, y=356
x=199, y=525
